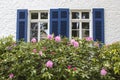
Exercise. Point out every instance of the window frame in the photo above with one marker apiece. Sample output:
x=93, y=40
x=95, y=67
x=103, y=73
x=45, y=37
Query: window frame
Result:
x=39, y=20
x=70, y=22
x=80, y=20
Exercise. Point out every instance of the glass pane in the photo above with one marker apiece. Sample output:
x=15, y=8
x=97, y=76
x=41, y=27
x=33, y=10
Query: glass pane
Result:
x=43, y=34
x=44, y=26
x=43, y=30
x=34, y=15
x=75, y=33
x=34, y=26
x=85, y=15
x=44, y=15
x=75, y=25
x=85, y=25
x=85, y=33
x=34, y=30
x=75, y=15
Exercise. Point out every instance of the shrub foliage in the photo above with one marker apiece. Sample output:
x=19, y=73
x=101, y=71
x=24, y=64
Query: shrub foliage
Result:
x=59, y=59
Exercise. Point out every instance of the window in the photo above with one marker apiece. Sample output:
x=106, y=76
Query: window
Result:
x=38, y=25
x=80, y=23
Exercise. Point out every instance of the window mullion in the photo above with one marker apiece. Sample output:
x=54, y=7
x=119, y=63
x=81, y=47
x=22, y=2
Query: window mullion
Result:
x=90, y=25
x=39, y=27
x=80, y=30
x=38, y=31
x=29, y=24
x=80, y=27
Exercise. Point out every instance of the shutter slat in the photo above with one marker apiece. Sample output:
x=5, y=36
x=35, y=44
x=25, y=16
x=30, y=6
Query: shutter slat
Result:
x=22, y=19
x=54, y=22
x=59, y=22
x=64, y=22
x=98, y=24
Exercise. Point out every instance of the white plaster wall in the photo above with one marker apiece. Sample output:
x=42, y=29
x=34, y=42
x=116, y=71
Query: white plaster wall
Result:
x=8, y=10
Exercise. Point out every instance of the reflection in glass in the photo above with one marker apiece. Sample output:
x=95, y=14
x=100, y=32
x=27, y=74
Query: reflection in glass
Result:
x=85, y=15
x=85, y=29
x=43, y=30
x=75, y=33
x=34, y=30
x=75, y=15
x=34, y=15
x=44, y=15
x=44, y=26
x=75, y=25
x=85, y=33
x=85, y=25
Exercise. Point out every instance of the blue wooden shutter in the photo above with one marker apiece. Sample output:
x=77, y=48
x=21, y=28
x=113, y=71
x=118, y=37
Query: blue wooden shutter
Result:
x=64, y=22
x=98, y=24
x=54, y=21
x=22, y=19
x=59, y=22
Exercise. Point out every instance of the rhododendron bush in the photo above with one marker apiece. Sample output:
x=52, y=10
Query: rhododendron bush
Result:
x=57, y=58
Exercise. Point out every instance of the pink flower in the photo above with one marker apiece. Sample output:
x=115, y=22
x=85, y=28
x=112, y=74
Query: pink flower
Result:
x=103, y=72
x=44, y=48
x=14, y=44
x=49, y=64
x=74, y=68
x=76, y=44
x=89, y=39
x=69, y=66
x=72, y=41
x=34, y=50
x=57, y=39
x=33, y=40
x=40, y=53
x=50, y=37
x=11, y=75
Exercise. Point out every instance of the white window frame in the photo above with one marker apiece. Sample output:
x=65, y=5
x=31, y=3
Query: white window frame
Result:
x=70, y=22
x=38, y=21
x=80, y=20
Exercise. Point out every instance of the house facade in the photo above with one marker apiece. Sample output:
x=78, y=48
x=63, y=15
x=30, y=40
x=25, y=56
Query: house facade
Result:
x=27, y=19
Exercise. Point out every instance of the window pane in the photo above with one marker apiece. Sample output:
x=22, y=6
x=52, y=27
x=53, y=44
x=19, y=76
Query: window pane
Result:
x=75, y=25
x=44, y=15
x=85, y=33
x=85, y=25
x=34, y=30
x=34, y=15
x=43, y=34
x=85, y=15
x=75, y=15
x=44, y=26
x=43, y=30
x=75, y=33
